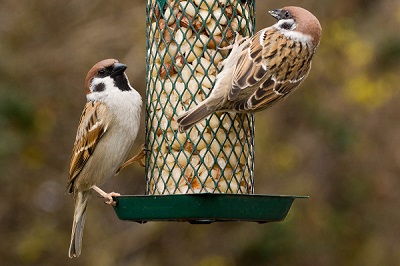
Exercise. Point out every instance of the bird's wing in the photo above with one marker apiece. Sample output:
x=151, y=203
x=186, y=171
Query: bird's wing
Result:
x=92, y=126
x=268, y=69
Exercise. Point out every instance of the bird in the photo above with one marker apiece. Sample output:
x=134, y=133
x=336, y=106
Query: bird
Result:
x=262, y=69
x=107, y=129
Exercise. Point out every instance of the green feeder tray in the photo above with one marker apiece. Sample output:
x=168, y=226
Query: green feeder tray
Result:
x=204, y=208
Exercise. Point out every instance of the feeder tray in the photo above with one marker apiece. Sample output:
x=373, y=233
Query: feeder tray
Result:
x=204, y=208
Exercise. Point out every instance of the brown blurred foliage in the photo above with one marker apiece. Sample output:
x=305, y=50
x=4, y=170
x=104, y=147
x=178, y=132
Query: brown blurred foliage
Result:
x=337, y=140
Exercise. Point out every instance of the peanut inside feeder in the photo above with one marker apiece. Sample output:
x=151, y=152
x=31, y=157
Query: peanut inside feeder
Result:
x=184, y=41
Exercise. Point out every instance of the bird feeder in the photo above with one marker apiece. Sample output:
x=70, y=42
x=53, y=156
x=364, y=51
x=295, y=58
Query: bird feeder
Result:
x=207, y=173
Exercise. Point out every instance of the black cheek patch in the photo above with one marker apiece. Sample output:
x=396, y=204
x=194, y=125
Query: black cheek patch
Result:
x=286, y=26
x=99, y=87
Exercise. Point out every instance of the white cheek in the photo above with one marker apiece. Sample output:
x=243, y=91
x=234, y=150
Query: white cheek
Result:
x=109, y=87
x=280, y=23
x=292, y=34
x=107, y=81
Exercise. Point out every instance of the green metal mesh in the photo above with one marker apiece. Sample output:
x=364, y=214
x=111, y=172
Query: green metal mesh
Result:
x=183, y=41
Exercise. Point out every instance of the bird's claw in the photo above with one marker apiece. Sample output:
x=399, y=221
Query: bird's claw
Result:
x=238, y=40
x=109, y=198
x=139, y=158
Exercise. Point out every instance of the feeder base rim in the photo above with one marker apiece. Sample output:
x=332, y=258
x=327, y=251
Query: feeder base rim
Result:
x=204, y=208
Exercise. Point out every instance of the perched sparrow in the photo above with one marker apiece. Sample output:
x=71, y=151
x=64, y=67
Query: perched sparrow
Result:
x=107, y=129
x=263, y=69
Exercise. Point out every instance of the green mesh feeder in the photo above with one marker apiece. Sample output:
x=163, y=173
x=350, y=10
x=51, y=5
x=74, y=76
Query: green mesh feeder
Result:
x=207, y=173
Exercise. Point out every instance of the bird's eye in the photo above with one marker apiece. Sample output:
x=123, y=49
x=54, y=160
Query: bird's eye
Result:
x=101, y=71
x=287, y=14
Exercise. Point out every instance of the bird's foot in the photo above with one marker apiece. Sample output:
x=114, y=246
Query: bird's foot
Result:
x=137, y=158
x=107, y=196
x=239, y=39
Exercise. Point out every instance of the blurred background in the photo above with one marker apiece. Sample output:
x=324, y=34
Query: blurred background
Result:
x=337, y=139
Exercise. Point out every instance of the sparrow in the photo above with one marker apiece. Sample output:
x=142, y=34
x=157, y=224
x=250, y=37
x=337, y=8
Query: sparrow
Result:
x=107, y=129
x=263, y=69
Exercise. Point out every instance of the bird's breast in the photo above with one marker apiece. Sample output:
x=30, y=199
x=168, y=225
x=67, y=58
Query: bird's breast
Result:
x=114, y=146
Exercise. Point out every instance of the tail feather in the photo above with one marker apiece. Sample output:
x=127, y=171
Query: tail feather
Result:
x=81, y=200
x=193, y=116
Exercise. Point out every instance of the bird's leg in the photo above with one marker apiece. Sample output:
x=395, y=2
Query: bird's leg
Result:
x=239, y=38
x=137, y=158
x=107, y=196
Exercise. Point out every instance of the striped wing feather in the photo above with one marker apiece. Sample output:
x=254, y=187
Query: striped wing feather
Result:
x=92, y=126
x=269, y=68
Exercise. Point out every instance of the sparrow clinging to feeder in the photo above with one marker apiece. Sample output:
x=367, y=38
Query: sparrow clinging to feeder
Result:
x=263, y=69
x=107, y=129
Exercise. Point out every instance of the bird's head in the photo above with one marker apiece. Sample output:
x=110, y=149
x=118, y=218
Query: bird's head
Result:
x=299, y=23
x=105, y=76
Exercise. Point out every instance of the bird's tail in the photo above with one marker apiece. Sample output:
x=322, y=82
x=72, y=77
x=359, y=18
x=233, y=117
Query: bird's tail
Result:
x=81, y=200
x=193, y=116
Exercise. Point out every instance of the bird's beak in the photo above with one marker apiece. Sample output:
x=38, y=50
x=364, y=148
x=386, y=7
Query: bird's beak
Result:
x=276, y=13
x=118, y=69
